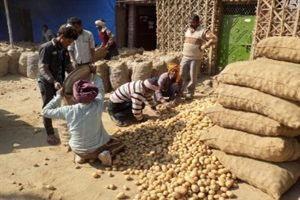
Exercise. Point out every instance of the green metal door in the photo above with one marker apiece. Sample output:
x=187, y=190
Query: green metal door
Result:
x=235, y=39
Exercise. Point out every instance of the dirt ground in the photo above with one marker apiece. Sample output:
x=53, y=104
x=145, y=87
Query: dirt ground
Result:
x=28, y=163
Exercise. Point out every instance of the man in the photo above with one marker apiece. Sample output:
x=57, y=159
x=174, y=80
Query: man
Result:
x=195, y=38
x=89, y=140
x=169, y=86
x=54, y=60
x=47, y=33
x=128, y=101
x=83, y=49
x=107, y=39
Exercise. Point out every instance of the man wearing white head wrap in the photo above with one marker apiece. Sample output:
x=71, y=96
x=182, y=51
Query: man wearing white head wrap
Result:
x=107, y=39
x=128, y=101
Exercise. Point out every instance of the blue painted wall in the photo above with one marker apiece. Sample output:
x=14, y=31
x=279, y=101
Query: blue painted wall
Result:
x=56, y=12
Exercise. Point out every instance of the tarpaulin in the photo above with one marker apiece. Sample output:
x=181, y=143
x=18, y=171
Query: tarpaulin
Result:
x=54, y=13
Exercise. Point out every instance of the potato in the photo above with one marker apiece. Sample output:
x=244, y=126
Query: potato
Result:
x=168, y=160
x=121, y=195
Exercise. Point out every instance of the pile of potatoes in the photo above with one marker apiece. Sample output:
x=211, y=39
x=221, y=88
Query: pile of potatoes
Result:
x=167, y=160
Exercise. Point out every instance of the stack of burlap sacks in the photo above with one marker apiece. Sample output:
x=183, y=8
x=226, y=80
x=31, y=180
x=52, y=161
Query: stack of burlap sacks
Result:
x=257, y=118
x=122, y=69
x=22, y=59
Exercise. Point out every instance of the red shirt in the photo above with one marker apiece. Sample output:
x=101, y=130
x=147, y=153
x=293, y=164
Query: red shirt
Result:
x=104, y=37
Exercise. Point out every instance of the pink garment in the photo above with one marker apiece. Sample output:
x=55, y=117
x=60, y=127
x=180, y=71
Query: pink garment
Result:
x=84, y=91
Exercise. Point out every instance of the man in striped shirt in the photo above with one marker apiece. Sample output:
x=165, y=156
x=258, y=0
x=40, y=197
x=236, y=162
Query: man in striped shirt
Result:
x=194, y=44
x=128, y=101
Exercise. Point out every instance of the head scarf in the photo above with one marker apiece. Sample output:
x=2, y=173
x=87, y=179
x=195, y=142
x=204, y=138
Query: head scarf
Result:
x=173, y=67
x=84, y=91
x=151, y=83
x=100, y=23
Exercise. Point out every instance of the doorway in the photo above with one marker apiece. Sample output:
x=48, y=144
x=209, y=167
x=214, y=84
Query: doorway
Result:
x=236, y=33
x=146, y=27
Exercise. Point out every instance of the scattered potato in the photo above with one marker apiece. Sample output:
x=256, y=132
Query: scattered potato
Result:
x=168, y=159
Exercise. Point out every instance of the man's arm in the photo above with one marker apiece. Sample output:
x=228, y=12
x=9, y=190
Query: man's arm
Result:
x=210, y=38
x=69, y=65
x=161, y=82
x=209, y=35
x=52, y=109
x=111, y=38
x=99, y=84
x=137, y=106
x=92, y=48
x=44, y=62
x=71, y=50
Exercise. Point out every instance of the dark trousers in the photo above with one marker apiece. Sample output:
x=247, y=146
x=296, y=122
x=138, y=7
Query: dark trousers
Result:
x=113, y=51
x=121, y=111
x=48, y=92
x=171, y=93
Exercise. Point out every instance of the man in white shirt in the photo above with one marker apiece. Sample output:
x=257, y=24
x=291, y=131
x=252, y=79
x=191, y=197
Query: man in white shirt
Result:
x=81, y=50
x=194, y=43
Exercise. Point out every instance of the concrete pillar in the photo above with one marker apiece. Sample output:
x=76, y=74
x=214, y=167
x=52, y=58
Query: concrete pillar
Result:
x=131, y=25
x=122, y=28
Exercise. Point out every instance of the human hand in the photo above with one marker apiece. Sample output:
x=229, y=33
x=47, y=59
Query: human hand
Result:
x=93, y=68
x=144, y=119
x=60, y=92
x=57, y=85
x=74, y=64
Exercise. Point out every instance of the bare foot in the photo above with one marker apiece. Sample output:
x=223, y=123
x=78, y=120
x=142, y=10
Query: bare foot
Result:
x=79, y=160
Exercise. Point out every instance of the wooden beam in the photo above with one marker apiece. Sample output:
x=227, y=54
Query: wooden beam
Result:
x=283, y=17
x=296, y=22
x=271, y=16
x=255, y=31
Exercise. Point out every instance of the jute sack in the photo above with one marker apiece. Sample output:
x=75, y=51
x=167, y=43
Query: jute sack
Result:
x=100, y=53
x=13, y=62
x=102, y=70
x=158, y=68
x=23, y=63
x=273, y=149
x=248, y=122
x=247, y=99
x=281, y=79
x=169, y=59
x=279, y=48
x=32, y=64
x=273, y=179
x=141, y=70
x=3, y=64
x=118, y=74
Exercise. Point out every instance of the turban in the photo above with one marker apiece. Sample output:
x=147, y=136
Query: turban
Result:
x=151, y=83
x=84, y=91
x=100, y=23
x=173, y=67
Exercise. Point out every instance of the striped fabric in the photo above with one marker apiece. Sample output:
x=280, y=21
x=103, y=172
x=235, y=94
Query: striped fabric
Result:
x=134, y=92
x=192, y=43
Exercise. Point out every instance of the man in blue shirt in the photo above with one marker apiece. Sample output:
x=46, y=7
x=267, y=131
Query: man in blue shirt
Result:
x=89, y=140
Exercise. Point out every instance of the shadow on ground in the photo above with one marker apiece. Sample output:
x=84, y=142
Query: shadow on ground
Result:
x=16, y=134
x=20, y=197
